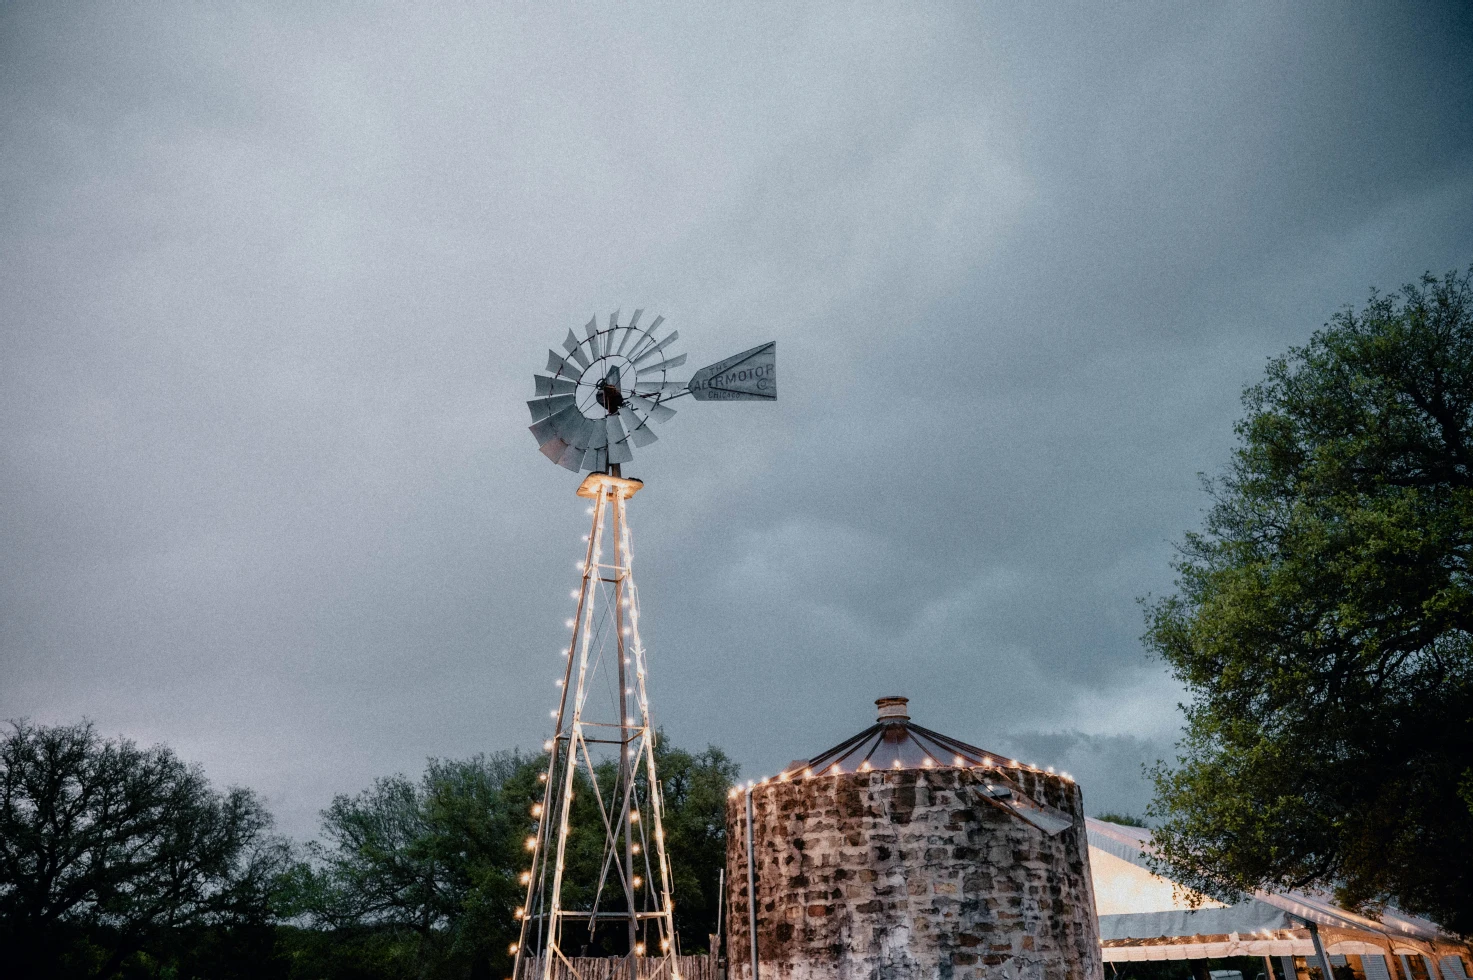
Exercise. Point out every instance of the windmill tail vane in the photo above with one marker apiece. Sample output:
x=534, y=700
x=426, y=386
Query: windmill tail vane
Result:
x=602, y=391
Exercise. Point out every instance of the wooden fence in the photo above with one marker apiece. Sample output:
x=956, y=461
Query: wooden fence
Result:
x=617, y=968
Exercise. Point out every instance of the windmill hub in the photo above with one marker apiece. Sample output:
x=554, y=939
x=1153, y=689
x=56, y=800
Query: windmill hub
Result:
x=609, y=395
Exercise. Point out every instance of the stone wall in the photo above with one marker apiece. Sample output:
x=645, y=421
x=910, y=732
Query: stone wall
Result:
x=893, y=875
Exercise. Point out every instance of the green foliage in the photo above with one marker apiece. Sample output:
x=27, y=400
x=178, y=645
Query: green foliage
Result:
x=1322, y=624
x=114, y=857
x=695, y=786
x=1123, y=819
x=421, y=878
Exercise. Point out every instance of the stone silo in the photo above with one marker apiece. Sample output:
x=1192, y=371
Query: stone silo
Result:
x=902, y=853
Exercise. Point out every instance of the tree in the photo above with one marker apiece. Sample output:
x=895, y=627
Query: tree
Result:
x=422, y=878
x=437, y=859
x=1322, y=619
x=695, y=787
x=108, y=850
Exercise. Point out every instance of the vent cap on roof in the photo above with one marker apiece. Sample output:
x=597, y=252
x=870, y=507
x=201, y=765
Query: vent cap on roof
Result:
x=893, y=710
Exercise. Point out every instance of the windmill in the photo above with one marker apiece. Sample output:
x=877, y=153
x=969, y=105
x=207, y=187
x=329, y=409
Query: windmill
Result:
x=593, y=407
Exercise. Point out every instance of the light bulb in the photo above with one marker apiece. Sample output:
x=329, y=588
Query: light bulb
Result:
x=531, y=843
x=568, y=623
x=573, y=593
x=547, y=746
x=526, y=878
x=557, y=682
x=542, y=777
x=639, y=949
x=960, y=761
x=627, y=631
x=552, y=713
x=634, y=816
x=536, y=809
x=638, y=881
x=512, y=949
x=634, y=849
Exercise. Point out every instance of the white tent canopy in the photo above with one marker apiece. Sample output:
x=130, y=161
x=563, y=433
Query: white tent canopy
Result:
x=1144, y=916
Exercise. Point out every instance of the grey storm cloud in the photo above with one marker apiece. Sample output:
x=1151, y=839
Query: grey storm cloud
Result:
x=275, y=277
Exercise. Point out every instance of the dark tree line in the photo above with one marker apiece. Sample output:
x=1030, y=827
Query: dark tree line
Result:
x=117, y=861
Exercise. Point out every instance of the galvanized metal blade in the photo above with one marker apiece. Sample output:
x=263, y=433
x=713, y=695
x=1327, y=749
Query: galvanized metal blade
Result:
x=591, y=328
x=665, y=365
x=557, y=365
x=651, y=352
x=615, y=429
x=541, y=408
x=598, y=434
x=574, y=428
x=571, y=344
x=639, y=432
x=571, y=458
x=619, y=452
x=647, y=338
x=629, y=331
x=553, y=449
x=553, y=386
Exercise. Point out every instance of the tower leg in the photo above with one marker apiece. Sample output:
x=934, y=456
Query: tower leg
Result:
x=629, y=840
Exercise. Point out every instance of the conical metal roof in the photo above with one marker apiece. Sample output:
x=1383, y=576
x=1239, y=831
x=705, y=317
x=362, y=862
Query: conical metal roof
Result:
x=895, y=742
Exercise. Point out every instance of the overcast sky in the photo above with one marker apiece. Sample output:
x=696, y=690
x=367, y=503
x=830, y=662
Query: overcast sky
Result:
x=274, y=280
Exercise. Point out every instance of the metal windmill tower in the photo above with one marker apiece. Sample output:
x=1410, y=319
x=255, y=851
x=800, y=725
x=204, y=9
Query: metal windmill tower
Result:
x=593, y=407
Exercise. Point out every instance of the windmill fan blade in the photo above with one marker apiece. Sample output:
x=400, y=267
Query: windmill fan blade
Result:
x=648, y=337
x=544, y=431
x=573, y=428
x=657, y=348
x=614, y=429
x=639, y=433
x=591, y=328
x=673, y=362
x=660, y=412
x=543, y=407
x=570, y=459
x=595, y=459
x=557, y=365
x=629, y=331
x=570, y=344
x=554, y=449
x=599, y=437
x=619, y=452
x=553, y=386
